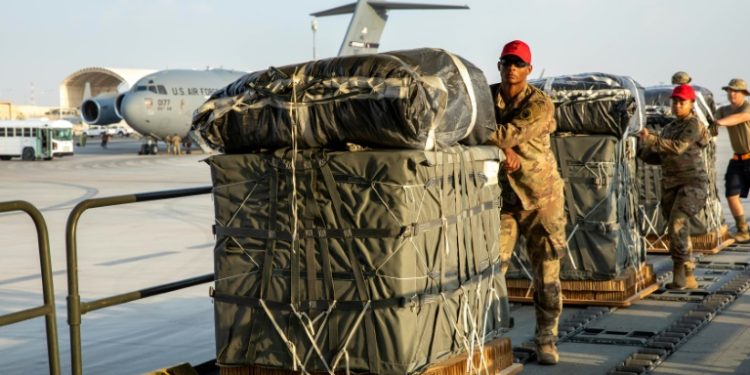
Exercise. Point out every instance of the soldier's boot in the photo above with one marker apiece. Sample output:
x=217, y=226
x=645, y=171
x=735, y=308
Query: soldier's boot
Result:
x=742, y=236
x=682, y=276
x=678, y=276
x=690, y=281
x=546, y=354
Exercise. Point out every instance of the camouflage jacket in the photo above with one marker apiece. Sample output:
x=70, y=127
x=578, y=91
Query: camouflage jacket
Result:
x=525, y=125
x=679, y=147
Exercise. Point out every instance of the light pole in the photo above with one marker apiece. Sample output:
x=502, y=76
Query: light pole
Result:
x=314, y=28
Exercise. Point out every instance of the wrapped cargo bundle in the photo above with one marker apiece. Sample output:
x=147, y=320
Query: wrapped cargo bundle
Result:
x=373, y=261
x=595, y=103
x=709, y=222
x=423, y=99
x=600, y=205
x=595, y=113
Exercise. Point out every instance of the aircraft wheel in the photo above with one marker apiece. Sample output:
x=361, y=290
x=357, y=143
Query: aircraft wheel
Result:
x=28, y=154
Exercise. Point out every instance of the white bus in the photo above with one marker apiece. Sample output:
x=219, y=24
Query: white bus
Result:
x=35, y=139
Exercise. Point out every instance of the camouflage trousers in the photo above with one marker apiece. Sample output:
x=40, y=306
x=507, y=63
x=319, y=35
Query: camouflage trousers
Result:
x=678, y=205
x=544, y=232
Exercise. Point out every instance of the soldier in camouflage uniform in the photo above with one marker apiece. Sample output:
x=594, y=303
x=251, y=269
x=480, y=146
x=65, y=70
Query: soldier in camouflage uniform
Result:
x=533, y=189
x=684, y=181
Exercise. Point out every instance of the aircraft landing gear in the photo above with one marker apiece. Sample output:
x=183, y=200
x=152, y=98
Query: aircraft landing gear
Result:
x=149, y=147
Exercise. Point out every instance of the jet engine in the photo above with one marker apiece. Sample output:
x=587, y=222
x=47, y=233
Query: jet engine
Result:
x=118, y=103
x=100, y=110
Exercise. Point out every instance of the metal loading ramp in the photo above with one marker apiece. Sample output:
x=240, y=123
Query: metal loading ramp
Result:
x=669, y=332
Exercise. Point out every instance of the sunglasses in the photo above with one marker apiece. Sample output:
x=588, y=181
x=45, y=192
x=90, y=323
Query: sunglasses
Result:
x=507, y=62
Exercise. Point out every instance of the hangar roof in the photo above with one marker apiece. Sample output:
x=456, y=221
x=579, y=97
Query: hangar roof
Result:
x=92, y=81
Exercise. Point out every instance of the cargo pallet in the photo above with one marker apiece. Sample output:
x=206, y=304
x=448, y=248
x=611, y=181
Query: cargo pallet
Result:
x=709, y=243
x=619, y=292
x=498, y=356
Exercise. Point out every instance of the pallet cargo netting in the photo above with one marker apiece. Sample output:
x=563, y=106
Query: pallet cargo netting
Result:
x=374, y=261
x=605, y=260
x=708, y=231
x=600, y=206
x=422, y=99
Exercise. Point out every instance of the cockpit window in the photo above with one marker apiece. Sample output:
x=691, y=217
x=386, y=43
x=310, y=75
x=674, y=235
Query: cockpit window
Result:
x=153, y=89
x=162, y=89
x=140, y=88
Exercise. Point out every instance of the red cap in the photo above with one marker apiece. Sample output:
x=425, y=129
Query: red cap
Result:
x=519, y=49
x=684, y=92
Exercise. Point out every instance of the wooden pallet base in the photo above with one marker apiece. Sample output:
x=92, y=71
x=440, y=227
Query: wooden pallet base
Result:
x=620, y=292
x=498, y=356
x=709, y=243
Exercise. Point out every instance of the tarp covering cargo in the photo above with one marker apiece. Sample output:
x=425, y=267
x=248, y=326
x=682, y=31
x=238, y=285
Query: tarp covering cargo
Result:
x=595, y=103
x=600, y=205
x=658, y=115
x=373, y=261
x=416, y=99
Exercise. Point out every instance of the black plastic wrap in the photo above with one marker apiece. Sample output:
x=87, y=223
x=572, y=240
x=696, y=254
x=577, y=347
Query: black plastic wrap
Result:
x=594, y=103
x=414, y=99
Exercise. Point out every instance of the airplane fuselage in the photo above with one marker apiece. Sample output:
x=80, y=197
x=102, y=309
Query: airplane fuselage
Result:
x=162, y=104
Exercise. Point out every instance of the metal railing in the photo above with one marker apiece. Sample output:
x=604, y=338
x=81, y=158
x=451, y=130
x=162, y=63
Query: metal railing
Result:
x=48, y=309
x=76, y=308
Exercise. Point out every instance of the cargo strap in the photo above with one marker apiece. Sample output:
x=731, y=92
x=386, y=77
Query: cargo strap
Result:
x=468, y=199
x=485, y=230
x=325, y=261
x=568, y=199
x=266, y=271
x=405, y=231
x=445, y=224
x=466, y=79
x=273, y=187
x=362, y=290
x=414, y=302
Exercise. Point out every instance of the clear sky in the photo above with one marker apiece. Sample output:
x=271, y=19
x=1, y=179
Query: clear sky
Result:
x=42, y=42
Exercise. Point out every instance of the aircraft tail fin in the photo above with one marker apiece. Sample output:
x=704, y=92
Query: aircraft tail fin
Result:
x=368, y=21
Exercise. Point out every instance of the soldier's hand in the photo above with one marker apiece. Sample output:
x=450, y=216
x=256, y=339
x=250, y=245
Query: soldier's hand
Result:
x=512, y=161
x=713, y=128
x=643, y=134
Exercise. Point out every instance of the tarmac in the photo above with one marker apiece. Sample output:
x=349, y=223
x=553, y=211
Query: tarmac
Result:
x=126, y=248
x=120, y=249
